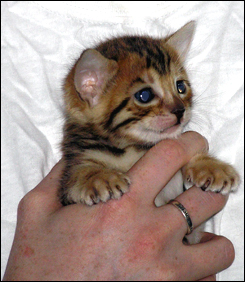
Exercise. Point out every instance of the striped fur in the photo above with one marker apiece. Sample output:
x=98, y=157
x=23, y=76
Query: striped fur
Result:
x=122, y=97
x=107, y=132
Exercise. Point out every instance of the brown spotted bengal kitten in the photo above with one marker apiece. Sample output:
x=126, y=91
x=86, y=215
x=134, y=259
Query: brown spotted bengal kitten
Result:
x=122, y=98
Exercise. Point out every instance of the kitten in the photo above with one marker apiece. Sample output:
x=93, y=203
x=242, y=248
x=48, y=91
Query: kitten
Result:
x=122, y=98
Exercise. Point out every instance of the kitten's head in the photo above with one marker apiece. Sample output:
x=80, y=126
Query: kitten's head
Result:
x=133, y=90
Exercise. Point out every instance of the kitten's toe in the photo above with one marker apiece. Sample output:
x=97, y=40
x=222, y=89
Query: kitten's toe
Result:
x=230, y=185
x=225, y=180
x=207, y=183
x=104, y=186
x=215, y=176
x=119, y=184
x=89, y=197
x=93, y=197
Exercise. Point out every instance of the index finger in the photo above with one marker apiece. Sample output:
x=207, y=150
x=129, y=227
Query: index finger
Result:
x=43, y=198
x=154, y=170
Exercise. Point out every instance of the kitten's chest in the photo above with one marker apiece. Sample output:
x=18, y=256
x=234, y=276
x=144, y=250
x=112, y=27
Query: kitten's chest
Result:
x=122, y=162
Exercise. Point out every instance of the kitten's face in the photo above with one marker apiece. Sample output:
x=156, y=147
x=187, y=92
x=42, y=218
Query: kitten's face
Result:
x=154, y=106
x=132, y=90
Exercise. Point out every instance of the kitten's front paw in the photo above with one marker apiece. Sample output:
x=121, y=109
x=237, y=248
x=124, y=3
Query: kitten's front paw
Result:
x=101, y=186
x=104, y=186
x=211, y=174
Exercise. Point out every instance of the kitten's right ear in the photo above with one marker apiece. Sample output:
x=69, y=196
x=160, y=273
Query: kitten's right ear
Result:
x=92, y=71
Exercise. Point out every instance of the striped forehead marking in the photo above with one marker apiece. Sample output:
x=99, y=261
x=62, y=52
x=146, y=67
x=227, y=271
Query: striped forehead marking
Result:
x=153, y=79
x=155, y=56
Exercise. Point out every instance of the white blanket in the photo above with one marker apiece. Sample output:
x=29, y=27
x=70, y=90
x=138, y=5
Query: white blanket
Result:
x=41, y=40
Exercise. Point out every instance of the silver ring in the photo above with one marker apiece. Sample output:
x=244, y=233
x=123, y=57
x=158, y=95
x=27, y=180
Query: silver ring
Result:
x=185, y=214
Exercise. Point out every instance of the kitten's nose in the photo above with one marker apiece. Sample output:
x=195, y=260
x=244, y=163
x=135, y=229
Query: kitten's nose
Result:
x=179, y=112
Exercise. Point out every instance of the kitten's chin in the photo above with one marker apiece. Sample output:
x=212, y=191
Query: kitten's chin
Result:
x=153, y=136
x=171, y=132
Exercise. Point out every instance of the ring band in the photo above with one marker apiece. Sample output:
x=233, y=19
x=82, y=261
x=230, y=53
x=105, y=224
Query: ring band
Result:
x=185, y=214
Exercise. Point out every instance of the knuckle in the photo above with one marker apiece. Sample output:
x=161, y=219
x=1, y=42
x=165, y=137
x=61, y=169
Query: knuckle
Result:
x=173, y=149
x=24, y=203
x=28, y=204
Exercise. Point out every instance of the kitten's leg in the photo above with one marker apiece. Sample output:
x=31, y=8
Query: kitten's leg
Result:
x=211, y=174
x=90, y=184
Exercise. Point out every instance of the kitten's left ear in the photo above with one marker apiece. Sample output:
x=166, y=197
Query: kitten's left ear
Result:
x=182, y=38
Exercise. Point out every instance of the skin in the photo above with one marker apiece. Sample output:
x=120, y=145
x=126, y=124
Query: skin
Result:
x=126, y=239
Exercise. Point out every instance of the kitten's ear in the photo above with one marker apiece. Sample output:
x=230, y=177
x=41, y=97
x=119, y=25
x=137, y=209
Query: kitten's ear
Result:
x=181, y=39
x=92, y=71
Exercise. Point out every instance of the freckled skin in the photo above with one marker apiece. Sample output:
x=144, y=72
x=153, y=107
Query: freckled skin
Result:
x=128, y=239
x=28, y=251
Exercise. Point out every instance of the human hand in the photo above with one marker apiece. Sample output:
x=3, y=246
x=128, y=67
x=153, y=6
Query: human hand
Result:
x=126, y=239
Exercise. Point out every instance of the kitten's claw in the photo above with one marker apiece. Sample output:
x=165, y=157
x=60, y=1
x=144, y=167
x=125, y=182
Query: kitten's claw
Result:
x=211, y=174
x=104, y=186
x=206, y=184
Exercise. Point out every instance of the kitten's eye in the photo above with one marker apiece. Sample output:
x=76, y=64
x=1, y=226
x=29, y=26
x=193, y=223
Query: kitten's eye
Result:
x=180, y=84
x=144, y=95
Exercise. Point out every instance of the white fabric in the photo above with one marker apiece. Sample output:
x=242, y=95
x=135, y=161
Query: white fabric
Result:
x=41, y=40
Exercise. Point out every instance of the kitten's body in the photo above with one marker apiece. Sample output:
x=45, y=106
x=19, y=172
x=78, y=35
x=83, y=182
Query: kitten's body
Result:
x=122, y=98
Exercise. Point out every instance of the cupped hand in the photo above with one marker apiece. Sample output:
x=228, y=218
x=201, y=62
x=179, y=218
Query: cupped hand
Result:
x=125, y=239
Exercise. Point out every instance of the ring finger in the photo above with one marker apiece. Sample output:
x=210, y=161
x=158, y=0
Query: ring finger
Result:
x=200, y=206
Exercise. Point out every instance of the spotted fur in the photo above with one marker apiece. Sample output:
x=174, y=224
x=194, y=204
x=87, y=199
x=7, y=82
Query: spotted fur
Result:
x=107, y=129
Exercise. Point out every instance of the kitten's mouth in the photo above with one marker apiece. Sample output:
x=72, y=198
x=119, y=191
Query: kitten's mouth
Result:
x=159, y=128
x=162, y=125
x=169, y=129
